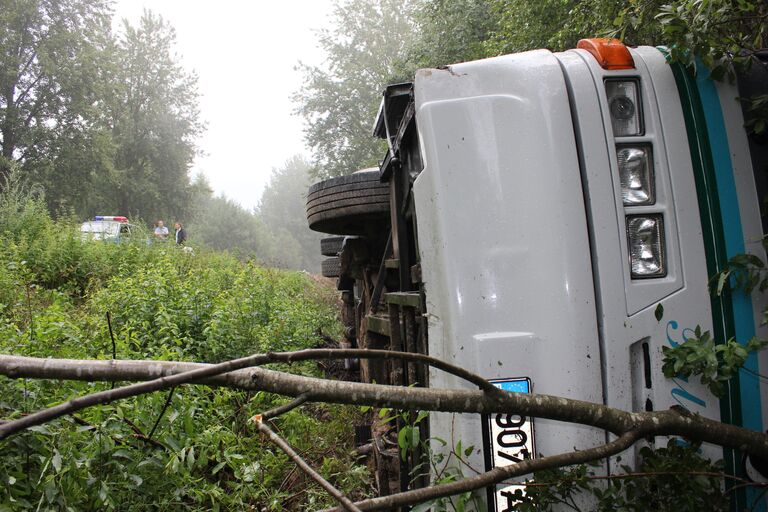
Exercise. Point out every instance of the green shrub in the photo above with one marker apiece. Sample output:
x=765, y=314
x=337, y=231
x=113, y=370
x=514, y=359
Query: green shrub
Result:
x=55, y=293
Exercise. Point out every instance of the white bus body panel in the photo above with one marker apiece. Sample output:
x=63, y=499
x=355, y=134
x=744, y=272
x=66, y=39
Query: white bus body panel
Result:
x=503, y=239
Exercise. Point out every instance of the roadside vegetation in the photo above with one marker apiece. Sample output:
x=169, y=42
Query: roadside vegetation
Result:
x=193, y=447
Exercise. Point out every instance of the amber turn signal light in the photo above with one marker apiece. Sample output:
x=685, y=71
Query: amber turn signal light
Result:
x=610, y=53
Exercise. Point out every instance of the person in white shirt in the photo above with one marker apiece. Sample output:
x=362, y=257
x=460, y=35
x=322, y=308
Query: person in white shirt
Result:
x=161, y=231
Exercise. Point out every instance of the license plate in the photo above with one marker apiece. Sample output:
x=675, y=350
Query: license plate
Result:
x=508, y=439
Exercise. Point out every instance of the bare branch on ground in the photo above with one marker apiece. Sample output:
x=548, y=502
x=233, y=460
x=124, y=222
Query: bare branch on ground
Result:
x=277, y=411
x=499, y=474
x=38, y=418
x=314, y=475
x=168, y=373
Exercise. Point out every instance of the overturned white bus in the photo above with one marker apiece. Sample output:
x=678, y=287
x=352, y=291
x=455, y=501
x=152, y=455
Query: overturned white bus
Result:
x=530, y=215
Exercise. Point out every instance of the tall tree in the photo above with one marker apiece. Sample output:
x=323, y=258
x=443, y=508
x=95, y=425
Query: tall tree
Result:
x=155, y=121
x=448, y=31
x=222, y=224
x=283, y=211
x=339, y=101
x=559, y=24
x=50, y=54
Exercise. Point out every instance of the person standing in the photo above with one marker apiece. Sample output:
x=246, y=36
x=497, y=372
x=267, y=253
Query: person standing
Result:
x=161, y=231
x=181, y=235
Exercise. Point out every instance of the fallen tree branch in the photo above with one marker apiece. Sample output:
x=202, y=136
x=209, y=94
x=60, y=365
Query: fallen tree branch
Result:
x=162, y=412
x=498, y=474
x=282, y=409
x=169, y=373
x=127, y=370
x=314, y=475
x=653, y=474
x=76, y=404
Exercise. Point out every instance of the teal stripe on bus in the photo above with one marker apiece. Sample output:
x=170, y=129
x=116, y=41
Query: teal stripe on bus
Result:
x=734, y=239
x=743, y=318
x=714, y=248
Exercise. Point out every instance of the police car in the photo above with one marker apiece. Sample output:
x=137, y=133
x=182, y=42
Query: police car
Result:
x=112, y=228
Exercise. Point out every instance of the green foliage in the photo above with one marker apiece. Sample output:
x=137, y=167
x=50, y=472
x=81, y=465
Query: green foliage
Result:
x=448, y=466
x=50, y=57
x=448, y=32
x=22, y=211
x=224, y=225
x=672, y=478
x=164, y=303
x=444, y=466
x=155, y=121
x=275, y=233
x=756, y=114
x=723, y=34
x=714, y=363
x=553, y=24
x=102, y=123
x=742, y=272
x=339, y=103
x=409, y=434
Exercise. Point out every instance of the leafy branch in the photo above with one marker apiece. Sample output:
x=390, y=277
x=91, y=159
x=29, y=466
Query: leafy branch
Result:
x=714, y=363
x=756, y=114
x=701, y=355
x=745, y=272
x=675, y=477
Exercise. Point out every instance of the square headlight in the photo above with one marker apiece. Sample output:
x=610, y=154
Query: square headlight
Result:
x=645, y=235
x=624, y=106
x=636, y=174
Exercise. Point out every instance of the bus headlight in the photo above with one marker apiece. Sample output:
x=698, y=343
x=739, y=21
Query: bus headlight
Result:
x=624, y=106
x=645, y=235
x=636, y=174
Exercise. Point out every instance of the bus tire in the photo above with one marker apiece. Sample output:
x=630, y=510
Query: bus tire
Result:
x=331, y=246
x=331, y=267
x=357, y=204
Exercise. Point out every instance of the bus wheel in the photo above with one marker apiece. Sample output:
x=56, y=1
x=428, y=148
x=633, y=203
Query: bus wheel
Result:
x=331, y=267
x=357, y=204
x=331, y=246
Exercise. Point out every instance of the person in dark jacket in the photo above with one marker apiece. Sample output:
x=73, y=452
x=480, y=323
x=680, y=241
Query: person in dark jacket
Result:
x=181, y=235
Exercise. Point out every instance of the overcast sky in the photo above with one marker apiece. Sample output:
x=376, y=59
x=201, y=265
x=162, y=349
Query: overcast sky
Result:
x=244, y=53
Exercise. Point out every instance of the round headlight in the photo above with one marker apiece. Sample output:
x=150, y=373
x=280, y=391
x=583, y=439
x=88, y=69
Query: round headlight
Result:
x=622, y=108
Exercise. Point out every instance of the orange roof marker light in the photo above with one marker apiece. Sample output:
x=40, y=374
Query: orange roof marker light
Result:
x=610, y=53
